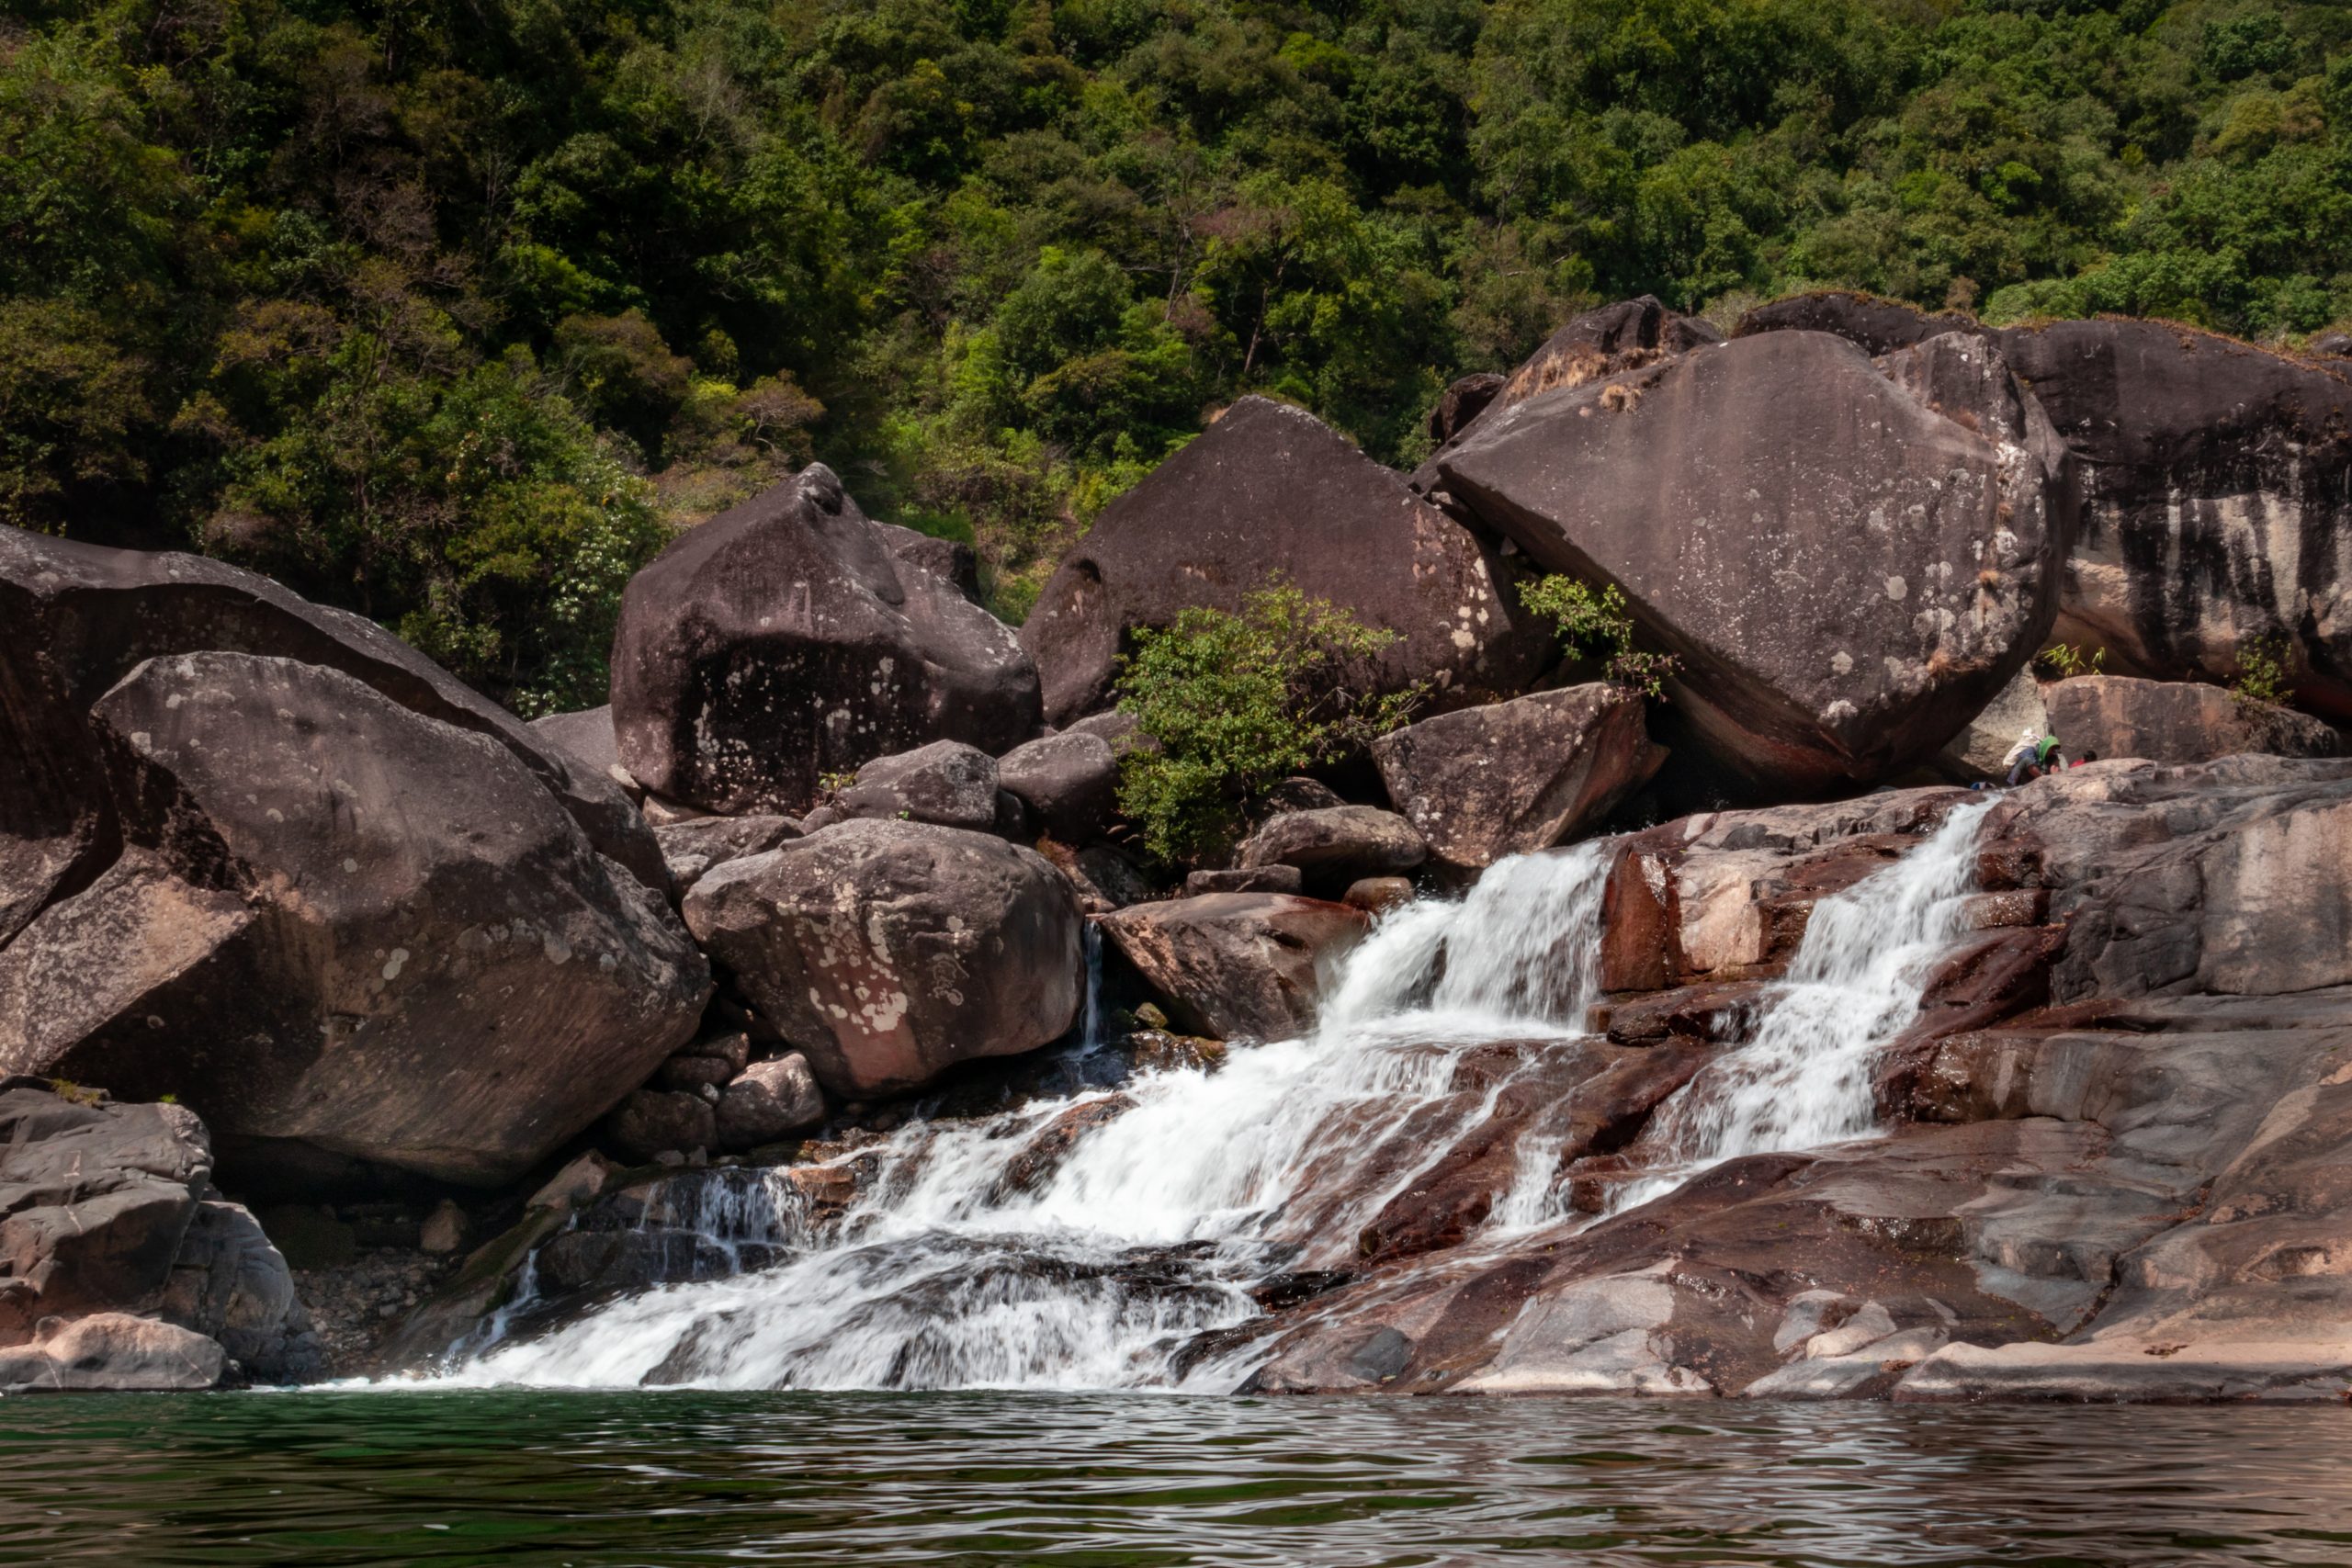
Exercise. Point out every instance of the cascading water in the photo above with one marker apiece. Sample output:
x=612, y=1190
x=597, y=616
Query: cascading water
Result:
x=1803, y=1078
x=965, y=1260
x=945, y=1271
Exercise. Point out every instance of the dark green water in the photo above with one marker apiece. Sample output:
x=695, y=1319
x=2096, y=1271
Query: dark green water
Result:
x=661, y=1478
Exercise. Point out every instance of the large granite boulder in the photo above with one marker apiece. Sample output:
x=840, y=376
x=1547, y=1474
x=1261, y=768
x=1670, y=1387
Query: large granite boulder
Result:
x=1269, y=489
x=947, y=783
x=337, y=923
x=1484, y=783
x=1070, y=782
x=786, y=640
x=1848, y=557
x=887, y=951
x=119, y=1266
x=75, y=618
x=693, y=846
x=2175, y=721
x=2217, y=512
x=1335, y=844
x=1237, y=966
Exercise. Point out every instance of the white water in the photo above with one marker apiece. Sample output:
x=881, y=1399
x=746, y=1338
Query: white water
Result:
x=1153, y=1226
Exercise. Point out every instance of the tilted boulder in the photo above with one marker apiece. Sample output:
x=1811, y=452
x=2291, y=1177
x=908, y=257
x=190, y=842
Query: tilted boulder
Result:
x=115, y=1250
x=75, y=618
x=1336, y=844
x=1848, y=557
x=1070, y=781
x=1267, y=491
x=2175, y=721
x=786, y=640
x=946, y=782
x=2217, y=513
x=887, y=952
x=769, y=1101
x=1237, y=966
x=1501, y=780
x=339, y=924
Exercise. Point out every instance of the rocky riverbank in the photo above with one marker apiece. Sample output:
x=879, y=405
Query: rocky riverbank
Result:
x=819, y=938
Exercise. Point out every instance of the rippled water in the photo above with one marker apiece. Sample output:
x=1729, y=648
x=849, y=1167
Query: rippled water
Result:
x=520, y=1478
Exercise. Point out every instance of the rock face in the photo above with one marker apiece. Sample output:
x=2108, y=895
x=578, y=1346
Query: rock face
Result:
x=887, y=952
x=1501, y=780
x=338, y=923
x=119, y=1268
x=2175, y=721
x=2217, y=482
x=1269, y=489
x=947, y=783
x=1237, y=966
x=784, y=639
x=1918, y=501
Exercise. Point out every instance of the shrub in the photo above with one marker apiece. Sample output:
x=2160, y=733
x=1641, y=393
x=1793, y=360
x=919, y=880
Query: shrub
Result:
x=2264, y=666
x=1595, y=625
x=2062, y=660
x=1238, y=701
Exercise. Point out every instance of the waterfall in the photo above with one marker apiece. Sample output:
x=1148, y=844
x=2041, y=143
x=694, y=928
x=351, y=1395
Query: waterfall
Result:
x=1803, y=1078
x=1152, y=1227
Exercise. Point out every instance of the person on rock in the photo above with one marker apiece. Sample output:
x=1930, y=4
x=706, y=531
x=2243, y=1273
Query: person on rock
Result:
x=2033, y=756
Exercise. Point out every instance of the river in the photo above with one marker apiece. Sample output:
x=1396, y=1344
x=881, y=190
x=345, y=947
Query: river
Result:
x=528, y=1479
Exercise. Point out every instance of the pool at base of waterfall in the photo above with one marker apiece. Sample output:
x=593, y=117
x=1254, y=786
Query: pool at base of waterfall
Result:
x=534, y=1479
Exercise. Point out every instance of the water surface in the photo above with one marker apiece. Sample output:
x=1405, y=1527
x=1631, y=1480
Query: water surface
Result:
x=597, y=1480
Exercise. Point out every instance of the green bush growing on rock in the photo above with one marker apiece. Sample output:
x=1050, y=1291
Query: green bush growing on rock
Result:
x=1595, y=625
x=1238, y=701
x=2262, y=670
x=2063, y=661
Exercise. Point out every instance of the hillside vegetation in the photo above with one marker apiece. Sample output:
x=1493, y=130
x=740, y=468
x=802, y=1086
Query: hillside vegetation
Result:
x=446, y=309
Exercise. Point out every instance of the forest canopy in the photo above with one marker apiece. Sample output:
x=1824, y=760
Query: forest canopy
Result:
x=450, y=310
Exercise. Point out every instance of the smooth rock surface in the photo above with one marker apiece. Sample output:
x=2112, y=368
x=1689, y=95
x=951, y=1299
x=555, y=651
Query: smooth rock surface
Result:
x=2175, y=721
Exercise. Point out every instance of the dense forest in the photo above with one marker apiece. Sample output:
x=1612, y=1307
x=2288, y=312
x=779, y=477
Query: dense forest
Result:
x=450, y=309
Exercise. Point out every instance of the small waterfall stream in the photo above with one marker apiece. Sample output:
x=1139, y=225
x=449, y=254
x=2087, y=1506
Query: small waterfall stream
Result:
x=1186, y=1187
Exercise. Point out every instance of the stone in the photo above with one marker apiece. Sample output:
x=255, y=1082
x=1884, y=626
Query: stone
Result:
x=587, y=735
x=445, y=1229
x=2217, y=482
x=770, y=1100
x=687, y=1074
x=578, y=1183
x=945, y=782
x=231, y=1285
x=1920, y=501
x=654, y=1121
x=2175, y=721
x=1484, y=783
x=690, y=847
x=1245, y=879
x=338, y=925
x=1876, y=326
x=1102, y=879
x=1071, y=782
x=887, y=952
x=950, y=560
x=113, y=1353
x=1266, y=491
x=1460, y=403
x=784, y=640
x=1378, y=895
x=1237, y=966
x=1977, y=754
x=1336, y=844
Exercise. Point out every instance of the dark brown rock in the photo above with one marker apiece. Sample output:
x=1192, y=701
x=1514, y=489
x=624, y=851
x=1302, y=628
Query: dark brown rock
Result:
x=1245, y=879
x=1102, y=879
x=2218, y=500
x=1378, y=895
x=947, y=783
x=1269, y=489
x=1460, y=403
x=1488, y=782
x=1917, y=502
x=784, y=640
x=887, y=951
x=1876, y=326
x=340, y=925
x=587, y=735
x=951, y=561
x=1070, y=782
x=1337, y=844
x=2175, y=721
x=690, y=847
x=1236, y=966
x=652, y=1121
x=769, y=1101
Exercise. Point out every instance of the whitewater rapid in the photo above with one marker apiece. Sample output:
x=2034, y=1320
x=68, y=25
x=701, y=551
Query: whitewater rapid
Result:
x=1154, y=1227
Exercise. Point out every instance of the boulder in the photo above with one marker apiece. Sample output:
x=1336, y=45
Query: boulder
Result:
x=1864, y=553
x=653, y=1122
x=2175, y=721
x=1976, y=755
x=1267, y=491
x=769, y=1101
x=1378, y=895
x=1605, y=341
x=1336, y=844
x=690, y=847
x=1484, y=783
x=887, y=952
x=1460, y=403
x=1875, y=325
x=107, y=1210
x=947, y=783
x=1071, y=782
x=950, y=560
x=2217, y=482
x=75, y=618
x=587, y=735
x=784, y=640
x=1102, y=879
x=1237, y=966
x=337, y=924
x=1245, y=879
x=112, y=1352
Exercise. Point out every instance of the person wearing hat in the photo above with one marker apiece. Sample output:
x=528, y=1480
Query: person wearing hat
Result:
x=2033, y=756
